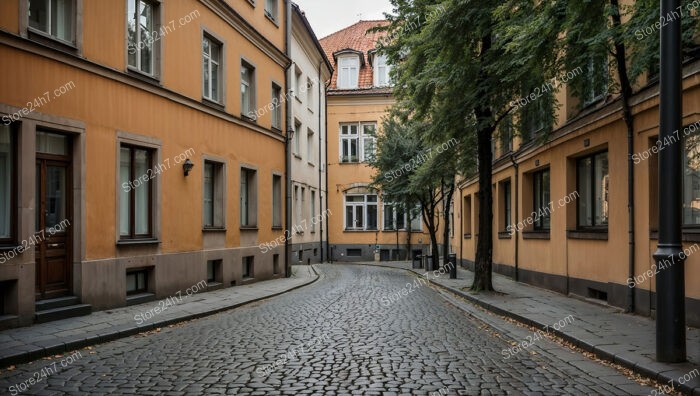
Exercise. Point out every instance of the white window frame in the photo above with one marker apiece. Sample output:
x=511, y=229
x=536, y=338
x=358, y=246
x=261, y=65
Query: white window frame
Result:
x=394, y=218
x=365, y=204
x=362, y=140
x=210, y=63
x=272, y=9
x=382, y=71
x=310, y=152
x=248, y=112
x=348, y=72
x=154, y=45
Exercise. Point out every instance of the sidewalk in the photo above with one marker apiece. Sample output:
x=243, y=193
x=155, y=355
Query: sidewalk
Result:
x=25, y=344
x=628, y=340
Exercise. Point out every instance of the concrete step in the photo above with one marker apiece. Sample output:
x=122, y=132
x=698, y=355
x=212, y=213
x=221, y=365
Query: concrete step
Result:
x=43, y=305
x=59, y=313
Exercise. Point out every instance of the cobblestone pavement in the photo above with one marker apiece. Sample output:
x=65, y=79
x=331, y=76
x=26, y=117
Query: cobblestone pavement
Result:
x=352, y=332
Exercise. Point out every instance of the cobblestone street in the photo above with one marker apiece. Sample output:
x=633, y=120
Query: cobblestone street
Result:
x=353, y=332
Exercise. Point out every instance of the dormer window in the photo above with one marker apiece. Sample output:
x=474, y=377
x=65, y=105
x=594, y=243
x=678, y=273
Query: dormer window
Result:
x=349, y=70
x=381, y=71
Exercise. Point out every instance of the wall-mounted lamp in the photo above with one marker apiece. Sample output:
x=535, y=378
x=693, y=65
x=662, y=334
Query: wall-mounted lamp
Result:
x=187, y=166
x=586, y=142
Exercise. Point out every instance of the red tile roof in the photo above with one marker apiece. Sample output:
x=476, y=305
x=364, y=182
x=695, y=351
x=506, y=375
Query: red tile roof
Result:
x=355, y=37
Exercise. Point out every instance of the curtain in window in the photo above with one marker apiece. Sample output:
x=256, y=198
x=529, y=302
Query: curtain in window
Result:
x=124, y=202
x=141, y=209
x=6, y=172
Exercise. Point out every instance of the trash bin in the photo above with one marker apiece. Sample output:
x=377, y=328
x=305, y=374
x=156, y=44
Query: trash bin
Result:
x=453, y=266
x=417, y=261
x=428, y=262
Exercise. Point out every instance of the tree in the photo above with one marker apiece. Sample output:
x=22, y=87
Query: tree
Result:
x=451, y=75
x=406, y=167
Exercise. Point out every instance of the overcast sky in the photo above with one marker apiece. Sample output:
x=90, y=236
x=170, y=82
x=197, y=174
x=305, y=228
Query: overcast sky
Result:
x=328, y=16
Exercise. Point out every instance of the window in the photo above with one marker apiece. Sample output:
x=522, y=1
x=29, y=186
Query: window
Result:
x=358, y=138
x=271, y=9
x=691, y=180
x=506, y=204
x=353, y=252
x=213, y=195
x=506, y=135
x=381, y=71
x=310, y=146
x=348, y=72
x=597, y=75
x=302, y=208
x=8, y=185
x=248, y=198
x=535, y=117
x=593, y=187
x=312, y=213
x=467, y=215
x=136, y=282
x=55, y=18
x=276, y=201
x=136, y=177
x=417, y=219
x=394, y=217
x=541, y=200
x=142, y=30
x=276, y=106
x=297, y=139
x=361, y=212
x=211, y=69
x=299, y=81
x=310, y=94
x=369, y=141
x=297, y=205
x=248, y=264
x=213, y=271
x=247, y=90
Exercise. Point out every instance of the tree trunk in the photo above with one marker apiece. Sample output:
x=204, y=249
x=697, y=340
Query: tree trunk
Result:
x=484, y=244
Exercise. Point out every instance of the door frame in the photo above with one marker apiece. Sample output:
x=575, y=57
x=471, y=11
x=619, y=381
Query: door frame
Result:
x=39, y=259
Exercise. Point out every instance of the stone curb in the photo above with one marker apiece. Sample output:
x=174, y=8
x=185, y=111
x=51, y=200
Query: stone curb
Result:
x=54, y=347
x=640, y=368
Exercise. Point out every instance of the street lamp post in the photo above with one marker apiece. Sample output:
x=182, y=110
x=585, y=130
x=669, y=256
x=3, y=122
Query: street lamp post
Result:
x=670, y=281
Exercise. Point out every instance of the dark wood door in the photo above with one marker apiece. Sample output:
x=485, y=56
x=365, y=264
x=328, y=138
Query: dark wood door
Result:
x=53, y=225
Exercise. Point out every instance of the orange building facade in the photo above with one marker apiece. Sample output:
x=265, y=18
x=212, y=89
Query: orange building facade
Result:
x=127, y=172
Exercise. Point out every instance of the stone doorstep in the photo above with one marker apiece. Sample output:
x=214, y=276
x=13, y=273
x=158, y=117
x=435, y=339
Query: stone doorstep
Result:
x=661, y=372
x=29, y=352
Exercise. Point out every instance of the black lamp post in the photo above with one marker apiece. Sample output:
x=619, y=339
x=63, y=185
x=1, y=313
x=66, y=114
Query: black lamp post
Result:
x=670, y=281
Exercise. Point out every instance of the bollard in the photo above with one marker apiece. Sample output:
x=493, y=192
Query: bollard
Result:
x=453, y=266
x=428, y=262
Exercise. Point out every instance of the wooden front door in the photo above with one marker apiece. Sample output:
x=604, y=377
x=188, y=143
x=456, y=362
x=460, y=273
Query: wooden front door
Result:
x=53, y=224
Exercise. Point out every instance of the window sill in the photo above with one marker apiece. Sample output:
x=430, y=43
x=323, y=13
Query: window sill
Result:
x=249, y=119
x=298, y=99
x=310, y=110
x=596, y=235
x=276, y=129
x=277, y=228
x=137, y=242
x=52, y=41
x=271, y=19
x=467, y=236
x=504, y=235
x=543, y=234
x=350, y=162
x=248, y=279
x=249, y=228
x=214, y=229
x=311, y=164
x=213, y=104
x=297, y=156
x=141, y=76
x=346, y=230
x=8, y=248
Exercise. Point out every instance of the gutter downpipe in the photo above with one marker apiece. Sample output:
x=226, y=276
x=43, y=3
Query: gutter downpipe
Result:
x=517, y=237
x=288, y=141
x=630, y=208
x=328, y=240
x=320, y=157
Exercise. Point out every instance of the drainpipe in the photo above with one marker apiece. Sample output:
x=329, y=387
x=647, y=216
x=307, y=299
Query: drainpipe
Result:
x=328, y=239
x=320, y=157
x=517, y=237
x=288, y=142
x=630, y=209
x=461, y=225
